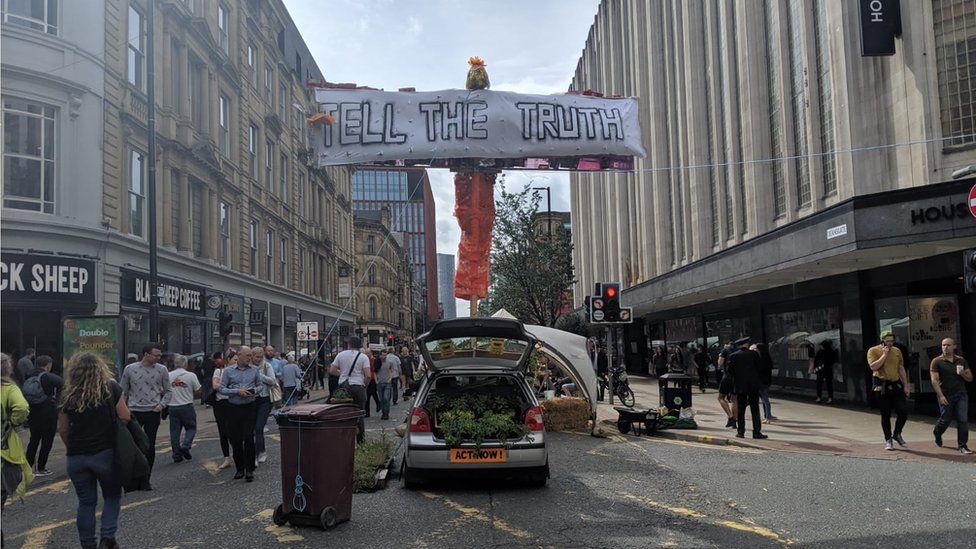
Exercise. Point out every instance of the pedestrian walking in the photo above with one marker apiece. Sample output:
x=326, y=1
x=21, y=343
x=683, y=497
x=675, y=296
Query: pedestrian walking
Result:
x=676, y=361
x=823, y=366
x=333, y=378
x=765, y=379
x=890, y=387
x=321, y=375
x=701, y=361
x=407, y=364
x=352, y=367
x=726, y=389
x=24, y=366
x=744, y=367
x=263, y=400
x=241, y=383
x=146, y=389
x=950, y=373
x=372, y=392
x=15, y=471
x=42, y=389
x=205, y=374
x=387, y=379
x=291, y=377
x=182, y=414
x=659, y=361
x=221, y=409
x=90, y=403
x=273, y=360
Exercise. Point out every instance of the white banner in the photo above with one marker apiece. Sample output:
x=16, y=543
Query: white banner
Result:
x=376, y=126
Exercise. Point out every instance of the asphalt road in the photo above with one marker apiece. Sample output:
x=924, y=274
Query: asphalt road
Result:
x=612, y=492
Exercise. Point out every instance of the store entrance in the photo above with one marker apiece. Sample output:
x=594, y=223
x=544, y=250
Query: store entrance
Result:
x=40, y=330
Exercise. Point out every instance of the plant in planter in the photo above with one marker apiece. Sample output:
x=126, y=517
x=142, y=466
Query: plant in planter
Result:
x=478, y=419
x=341, y=396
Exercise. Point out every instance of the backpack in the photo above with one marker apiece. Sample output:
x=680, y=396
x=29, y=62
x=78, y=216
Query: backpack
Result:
x=33, y=390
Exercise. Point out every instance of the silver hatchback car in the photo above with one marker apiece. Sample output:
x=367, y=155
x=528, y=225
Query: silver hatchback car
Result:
x=475, y=356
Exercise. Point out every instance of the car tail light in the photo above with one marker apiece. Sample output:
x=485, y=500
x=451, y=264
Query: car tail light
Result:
x=533, y=419
x=419, y=421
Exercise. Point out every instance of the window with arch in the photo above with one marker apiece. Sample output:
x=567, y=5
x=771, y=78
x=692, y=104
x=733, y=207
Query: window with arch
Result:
x=371, y=306
x=371, y=274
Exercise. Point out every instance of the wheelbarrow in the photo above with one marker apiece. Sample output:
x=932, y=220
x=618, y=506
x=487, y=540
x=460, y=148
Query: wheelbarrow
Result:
x=641, y=421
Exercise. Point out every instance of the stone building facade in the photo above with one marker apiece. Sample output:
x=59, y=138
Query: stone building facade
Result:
x=384, y=280
x=791, y=185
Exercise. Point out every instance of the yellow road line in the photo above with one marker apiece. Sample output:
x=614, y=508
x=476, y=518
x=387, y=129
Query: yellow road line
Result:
x=55, y=525
x=61, y=485
x=691, y=513
x=37, y=541
x=479, y=514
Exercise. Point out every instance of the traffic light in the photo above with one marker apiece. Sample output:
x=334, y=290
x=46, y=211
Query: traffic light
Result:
x=610, y=293
x=969, y=271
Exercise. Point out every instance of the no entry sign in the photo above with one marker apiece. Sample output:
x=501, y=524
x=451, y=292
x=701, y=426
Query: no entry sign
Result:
x=972, y=201
x=308, y=331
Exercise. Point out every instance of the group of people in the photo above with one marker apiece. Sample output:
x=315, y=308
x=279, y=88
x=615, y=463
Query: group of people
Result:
x=745, y=375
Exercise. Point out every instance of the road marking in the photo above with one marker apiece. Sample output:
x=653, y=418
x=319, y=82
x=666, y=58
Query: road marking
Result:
x=56, y=525
x=596, y=452
x=479, y=514
x=213, y=466
x=61, y=485
x=38, y=540
x=284, y=534
x=747, y=526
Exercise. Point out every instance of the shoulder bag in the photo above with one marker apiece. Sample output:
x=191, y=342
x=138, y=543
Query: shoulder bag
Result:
x=274, y=391
x=345, y=384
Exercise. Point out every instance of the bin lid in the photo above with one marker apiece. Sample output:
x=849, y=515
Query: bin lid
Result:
x=323, y=412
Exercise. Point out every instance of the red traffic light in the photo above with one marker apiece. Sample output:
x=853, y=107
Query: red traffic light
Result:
x=611, y=291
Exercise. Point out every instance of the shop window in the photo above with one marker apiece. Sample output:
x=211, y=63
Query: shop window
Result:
x=39, y=15
x=719, y=331
x=919, y=325
x=683, y=336
x=795, y=336
x=28, y=155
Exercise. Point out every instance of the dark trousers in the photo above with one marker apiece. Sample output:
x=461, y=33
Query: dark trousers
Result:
x=182, y=418
x=893, y=399
x=320, y=376
x=333, y=384
x=752, y=400
x=260, y=420
x=43, y=427
x=702, y=377
x=958, y=409
x=150, y=424
x=825, y=375
x=358, y=393
x=372, y=394
x=221, y=409
x=241, y=419
x=395, y=382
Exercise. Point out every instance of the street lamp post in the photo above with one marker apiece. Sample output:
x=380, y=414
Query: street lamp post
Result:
x=151, y=173
x=548, y=206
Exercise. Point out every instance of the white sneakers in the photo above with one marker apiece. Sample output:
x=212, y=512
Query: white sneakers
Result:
x=889, y=445
x=262, y=457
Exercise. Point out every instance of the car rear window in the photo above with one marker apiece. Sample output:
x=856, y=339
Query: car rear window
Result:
x=487, y=351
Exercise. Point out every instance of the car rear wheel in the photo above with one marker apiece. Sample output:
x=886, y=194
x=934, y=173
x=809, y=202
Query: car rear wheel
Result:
x=539, y=478
x=411, y=481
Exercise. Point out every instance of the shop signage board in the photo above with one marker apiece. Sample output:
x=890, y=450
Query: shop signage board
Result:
x=880, y=24
x=308, y=331
x=99, y=334
x=49, y=278
x=375, y=126
x=174, y=296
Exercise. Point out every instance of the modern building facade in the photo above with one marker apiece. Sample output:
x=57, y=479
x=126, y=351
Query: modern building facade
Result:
x=445, y=286
x=242, y=221
x=793, y=190
x=384, y=275
x=406, y=192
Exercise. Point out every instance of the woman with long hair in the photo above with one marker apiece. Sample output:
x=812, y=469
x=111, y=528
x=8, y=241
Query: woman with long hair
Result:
x=220, y=408
x=89, y=404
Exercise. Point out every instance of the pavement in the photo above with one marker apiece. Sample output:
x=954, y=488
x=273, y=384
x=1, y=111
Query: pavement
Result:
x=802, y=426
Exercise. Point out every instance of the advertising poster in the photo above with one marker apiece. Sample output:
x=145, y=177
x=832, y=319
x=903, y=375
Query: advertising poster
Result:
x=931, y=319
x=100, y=334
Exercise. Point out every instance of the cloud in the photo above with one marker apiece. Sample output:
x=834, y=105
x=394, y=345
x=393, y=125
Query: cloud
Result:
x=530, y=47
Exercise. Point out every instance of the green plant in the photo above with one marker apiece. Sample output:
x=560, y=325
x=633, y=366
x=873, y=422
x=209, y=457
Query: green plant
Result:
x=341, y=395
x=477, y=418
x=370, y=456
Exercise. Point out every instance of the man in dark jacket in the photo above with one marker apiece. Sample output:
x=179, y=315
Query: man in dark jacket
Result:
x=43, y=415
x=745, y=366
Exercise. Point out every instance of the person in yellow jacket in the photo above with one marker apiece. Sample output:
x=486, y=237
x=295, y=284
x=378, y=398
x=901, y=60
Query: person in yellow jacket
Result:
x=16, y=472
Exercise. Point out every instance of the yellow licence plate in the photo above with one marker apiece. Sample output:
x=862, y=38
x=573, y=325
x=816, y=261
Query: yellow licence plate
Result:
x=485, y=455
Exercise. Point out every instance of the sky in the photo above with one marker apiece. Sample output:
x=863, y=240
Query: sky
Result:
x=529, y=47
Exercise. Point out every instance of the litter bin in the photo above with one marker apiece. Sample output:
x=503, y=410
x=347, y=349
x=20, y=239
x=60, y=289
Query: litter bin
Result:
x=675, y=390
x=318, y=447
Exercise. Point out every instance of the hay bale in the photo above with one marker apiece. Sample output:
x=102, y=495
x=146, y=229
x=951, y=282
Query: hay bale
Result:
x=565, y=414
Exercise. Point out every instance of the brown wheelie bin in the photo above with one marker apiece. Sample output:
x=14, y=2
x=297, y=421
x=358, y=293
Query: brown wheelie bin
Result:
x=318, y=447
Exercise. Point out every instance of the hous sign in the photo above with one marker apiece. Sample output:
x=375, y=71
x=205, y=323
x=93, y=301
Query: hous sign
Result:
x=376, y=126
